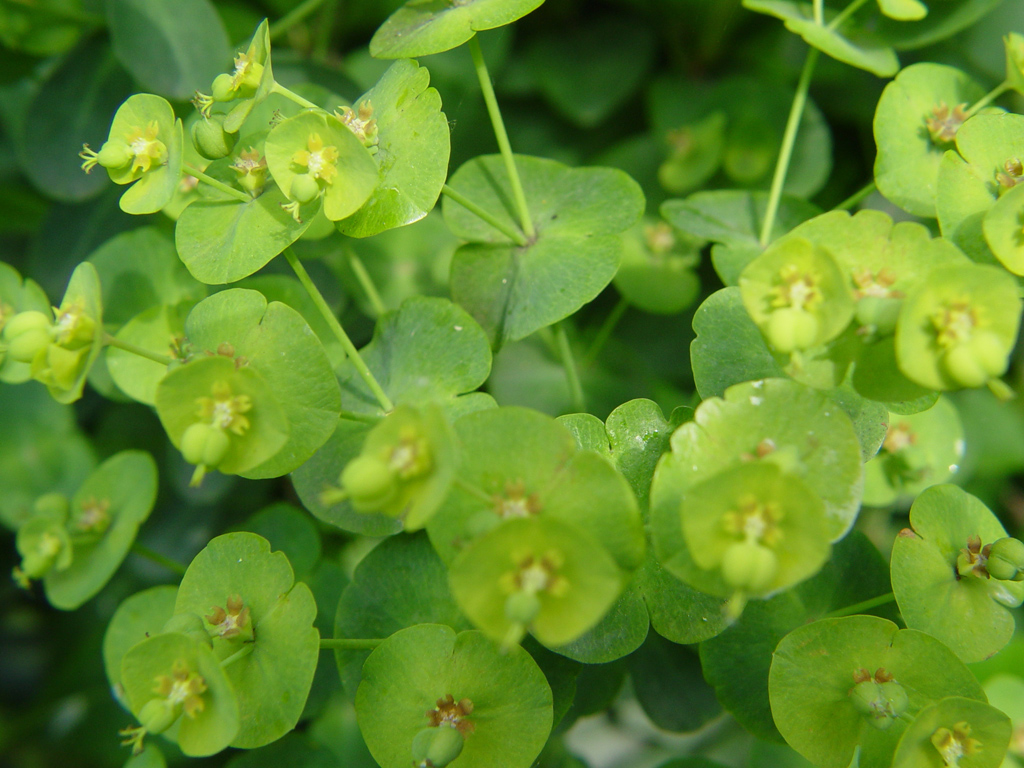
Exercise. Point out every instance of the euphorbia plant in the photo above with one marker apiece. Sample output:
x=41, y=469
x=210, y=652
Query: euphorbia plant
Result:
x=430, y=439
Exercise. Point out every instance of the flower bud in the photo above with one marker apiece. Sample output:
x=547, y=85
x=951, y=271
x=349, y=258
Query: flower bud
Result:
x=157, y=715
x=59, y=367
x=211, y=140
x=114, y=154
x=879, y=313
x=436, y=747
x=369, y=482
x=791, y=328
x=27, y=333
x=522, y=607
x=204, y=444
x=304, y=188
x=1006, y=560
x=223, y=88
x=749, y=566
x=54, y=506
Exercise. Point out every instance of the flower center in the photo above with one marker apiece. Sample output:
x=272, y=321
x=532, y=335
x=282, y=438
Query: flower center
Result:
x=945, y=122
x=224, y=410
x=954, y=323
x=754, y=521
x=453, y=714
x=796, y=289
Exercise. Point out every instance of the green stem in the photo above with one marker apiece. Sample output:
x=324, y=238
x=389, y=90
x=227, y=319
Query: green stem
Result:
x=369, y=418
x=860, y=607
x=241, y=653
x=339, y=332
x=500, y=134
x=605, y=331
x=512, y=234
x=156, y=557
x=788, y=141
x=112, y=341
x=988, y=98
x=819, y=12
x=345, y=644
x=569, y=363
x=218, y=185
x=472, y=490
x=856, y=197
x=846, y=13
x=292, y=96
x=280, y=27
x=366, y=282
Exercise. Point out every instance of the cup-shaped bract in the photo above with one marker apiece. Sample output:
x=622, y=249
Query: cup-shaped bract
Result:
x=105, y=515
x=145, y=146
x=916, y=121
x=797, y=294
x=137, y=617
x=517, y=463
x=17, y=295
x=315, y=154
x=76, y=337
x=427, y=676
x=919, y=450
x=939, y=575
x=657, y=270
x=250, y=81
x=248, y=599
x=406, y=467
x=1014, y=44
x=535, y=574
x=173, y=680
x=752, y=529
x=831, y=687
x=957, y=327
x=956, y=732
x=45, y=547
x=233, y=402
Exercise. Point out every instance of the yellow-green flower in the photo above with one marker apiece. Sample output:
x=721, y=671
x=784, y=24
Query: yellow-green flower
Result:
x=320, y=161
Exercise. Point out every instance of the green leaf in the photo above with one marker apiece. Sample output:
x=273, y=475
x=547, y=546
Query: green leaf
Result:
x=289, y=530
x=907, y=163
x=1003, y=226
x=278, y=344
x=423, y=27
x=729, y=347
x=587, y=75
x=678, y=611
x=136, y=618
x=670, y=687
x=736, y=662
x=577, y=212
x=812, y=675
x=139, y=269
x=52, y=136
x=155, y=330
x=124, y=489
x=222, y=241
x=83, y=291
x=982, y=744
x=966, y=611
x=400, y=583
x=412, y=151
x=856, y=47
x=944, y=20
x=620, y=632
x=273, y=681
x=173, y=50
x=215, y=725
x=417, y=667
x=732, y=218
x=903, y=10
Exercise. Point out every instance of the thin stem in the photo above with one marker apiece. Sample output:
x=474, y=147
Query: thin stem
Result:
x=988, y=98
x=241, y=653
x=280, y=27
x=156, y=557
x=339, y=332
x=512, y=234
x=345, y=644
x=819, y=12
x=605, y=331
x=218, y=185
x=369, y=418
x=499, y=133
x=788, y=141
x=857, y=197
x=293, y=96
x=569, y=363
x=472, y=490
x=366, y=282
x=860, y=607
x=112, y=341
x=846, y=13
